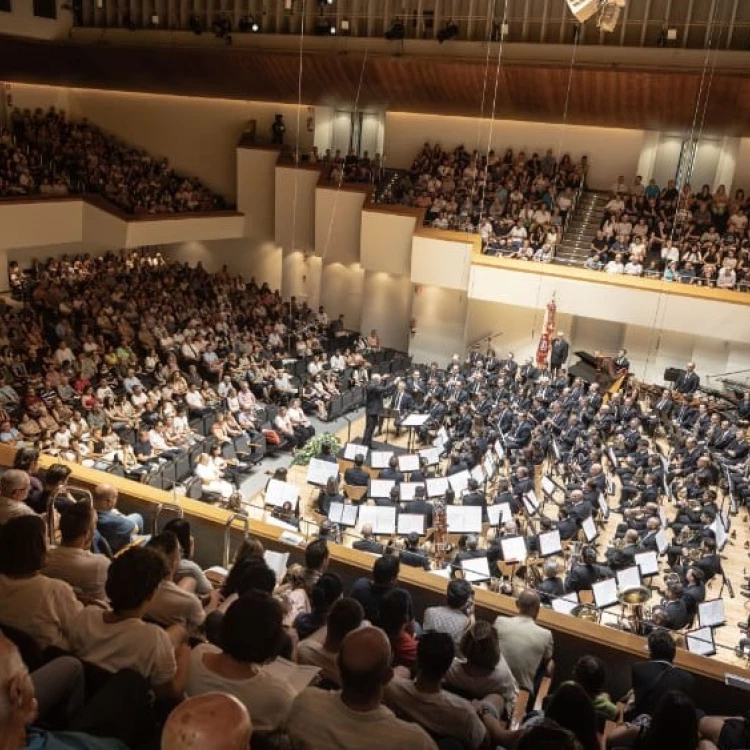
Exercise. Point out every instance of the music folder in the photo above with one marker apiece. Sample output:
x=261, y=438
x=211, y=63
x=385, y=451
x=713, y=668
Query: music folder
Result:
x=409, y=522
x=565, y=605
x=701, y=641
x=661, y=542
x=628, y=578
x=431, y=454
x=499, y=450
x=500, y=513
x=514, y=549
x=648, y=563
x=464, y=519
x=319, y=472
x=478, y=473
x=408, y=462
x=605, y=592
x=548, y=486
x=603, y=506
x=550, y=543
x=476, y=569
x=381, y=487
x=382, y=520
x=380, y=459
x=277, y=493
x=711, y=613
x=589, y=529
x=343, y=514
x=436, y=487
x=352, y=450
x=415, y=420
x=408, y=489
x=489, y=465
x=459, y=481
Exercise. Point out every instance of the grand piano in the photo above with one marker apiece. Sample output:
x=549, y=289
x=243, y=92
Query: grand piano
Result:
x=589, y=368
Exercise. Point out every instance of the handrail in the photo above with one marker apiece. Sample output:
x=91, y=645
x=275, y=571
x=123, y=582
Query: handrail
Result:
x=175, y=508
x=228, y=531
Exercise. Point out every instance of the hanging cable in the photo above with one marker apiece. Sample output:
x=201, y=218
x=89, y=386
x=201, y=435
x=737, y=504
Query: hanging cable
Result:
x=299, y=113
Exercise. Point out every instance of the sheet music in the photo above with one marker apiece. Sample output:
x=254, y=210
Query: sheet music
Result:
x=589, y=529
x=550, y=543
x=612, y=457
x=565, y=605
x=530, y=496
x=701, y=642
x=548, y=486
x=476, y=569
x=459, y=481
x=477, y=473
x=415, y=420
x=628, y=578
x=489, y=465
x=711, y=613
x=277, y=493
x=319, y=472
x=661, y=541
x=382, y=520
x=514, y=549
x=499, y=514
x=648, y=563
x=352, y=450
x=408, y=462
x=605, y=592
x=343, y=513
x=431, y=454
x=663, y=517
x=719, y=531
x=277, y=561
x=409, y=522
x=407, y=489
x=603, y=505
x=499, y=450
x=437, y=487
x=464, y=519
x=299, y=676
x=381, y=487
x=380, y=459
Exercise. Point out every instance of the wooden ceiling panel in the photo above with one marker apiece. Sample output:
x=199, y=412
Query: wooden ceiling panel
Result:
x=611, y=96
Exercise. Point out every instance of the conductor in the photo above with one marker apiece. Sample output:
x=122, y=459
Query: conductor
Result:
x=375, y=391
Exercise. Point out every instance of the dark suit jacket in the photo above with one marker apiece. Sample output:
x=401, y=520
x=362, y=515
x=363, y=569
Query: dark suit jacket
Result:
x=651, y=679
x=414, y=559
x=356, y=477
x=389, y=473
x=374, y=398
x=421, y=507
x=368, y=545
x=688, y=382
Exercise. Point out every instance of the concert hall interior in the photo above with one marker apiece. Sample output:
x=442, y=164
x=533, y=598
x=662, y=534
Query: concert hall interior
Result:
x=374, y=355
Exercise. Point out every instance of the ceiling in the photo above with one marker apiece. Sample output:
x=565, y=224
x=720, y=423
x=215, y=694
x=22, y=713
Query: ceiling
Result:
x=609, y=96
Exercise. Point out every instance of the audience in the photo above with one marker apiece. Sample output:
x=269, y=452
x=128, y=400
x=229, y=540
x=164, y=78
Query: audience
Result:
x=50, y=155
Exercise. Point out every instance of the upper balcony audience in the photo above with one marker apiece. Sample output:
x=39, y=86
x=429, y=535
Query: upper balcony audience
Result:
x=680, y=235
x=517, y=203
x=47, y=154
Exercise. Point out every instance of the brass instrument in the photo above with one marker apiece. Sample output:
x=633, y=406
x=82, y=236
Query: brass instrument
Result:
x=585, y=612
x=686, y=536
x=633, y=599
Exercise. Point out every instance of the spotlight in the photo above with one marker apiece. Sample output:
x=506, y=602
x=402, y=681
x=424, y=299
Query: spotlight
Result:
x=396, y=32
x=324, y=27
x=248, y=23
x=332, y=30
x=449, y=32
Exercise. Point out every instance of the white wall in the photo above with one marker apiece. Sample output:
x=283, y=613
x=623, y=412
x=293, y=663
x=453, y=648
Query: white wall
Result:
x=22, y=21
x=256, y=177
x=742, y=172
x=386, y=306
x=342, y=288
x=40, y=223
x=386, y=241
x=440, y=317
x=437, y=262
x=338, y=222
x=611, y=151
x=295, y=207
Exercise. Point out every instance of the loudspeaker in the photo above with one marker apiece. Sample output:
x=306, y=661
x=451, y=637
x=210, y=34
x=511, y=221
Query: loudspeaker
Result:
x=672, y=373
x=583, y=9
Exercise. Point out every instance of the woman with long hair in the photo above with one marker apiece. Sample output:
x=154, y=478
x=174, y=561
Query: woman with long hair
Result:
x=572, y=709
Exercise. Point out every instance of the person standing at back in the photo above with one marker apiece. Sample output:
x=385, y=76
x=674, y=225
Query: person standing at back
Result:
x=527, y=647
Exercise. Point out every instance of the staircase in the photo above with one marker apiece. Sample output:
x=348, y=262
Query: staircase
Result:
x=587, y=218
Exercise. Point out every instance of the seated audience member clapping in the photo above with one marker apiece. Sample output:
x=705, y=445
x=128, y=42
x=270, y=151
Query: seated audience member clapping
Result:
x=573, y=710
x=173, y=604
x=589, y=672
x=214, y=720
x=345, y=615
x=117, y=529
x=119, y=638
x=43, y=608
x=483, y=670
x=252, y=635
x=73, y=560
x=355, y=716
x=323, y=596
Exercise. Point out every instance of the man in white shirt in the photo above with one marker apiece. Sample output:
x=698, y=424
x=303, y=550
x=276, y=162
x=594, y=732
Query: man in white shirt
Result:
x=338, y=362
x=195, y=401
x=615, y=265
x=64, y=353
x=527, y=647
x=73, y=561
x=355, y=716
x=14, y=489
x=345, y=616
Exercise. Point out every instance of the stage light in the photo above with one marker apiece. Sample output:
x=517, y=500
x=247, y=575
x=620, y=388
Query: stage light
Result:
x=333, y=30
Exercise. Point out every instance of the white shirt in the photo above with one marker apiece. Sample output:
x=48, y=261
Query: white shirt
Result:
x=311, y=651
x=130, y=644
x=10, y=508
x=173, y=605
x=320, y=720
x=267, y=698
x=82, y=569
x=194, y=400
x=42, y=607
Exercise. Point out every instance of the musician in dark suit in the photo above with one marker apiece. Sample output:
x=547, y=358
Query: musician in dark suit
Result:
x=475, y=497
x=367, y=543
x=621, y=361
x=402, y=404
x=411, y=555
x=688, y=382
x=551, y=586
x=584, y=575
x=673, y=612
x=329, y=495
x=522, y=435
x=391, y=471
x=356, y=475
x=421, y=506
x=558, y=351
x=653, y=678
x=471, y=551
x=375, y=392
x=694, y=587
x=422, y=473
x=624, y=557
x=388, y=502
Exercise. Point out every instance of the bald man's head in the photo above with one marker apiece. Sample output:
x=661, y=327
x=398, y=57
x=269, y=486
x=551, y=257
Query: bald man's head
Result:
x=528, y=603
x=105, y=497
x=365, y=664
x=215, y=720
